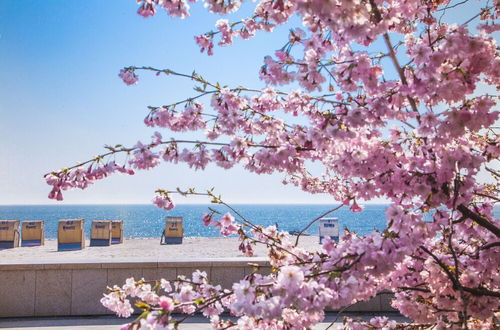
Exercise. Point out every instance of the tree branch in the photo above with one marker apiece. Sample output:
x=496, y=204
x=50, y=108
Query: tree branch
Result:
x=479, y=219
x=392, y=55
x=311, y=223
x=490, y=245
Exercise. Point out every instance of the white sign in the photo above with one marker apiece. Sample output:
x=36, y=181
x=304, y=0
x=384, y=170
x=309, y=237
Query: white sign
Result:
x=328, y=227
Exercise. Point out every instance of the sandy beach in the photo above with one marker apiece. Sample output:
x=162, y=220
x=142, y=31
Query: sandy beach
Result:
x=140, y=249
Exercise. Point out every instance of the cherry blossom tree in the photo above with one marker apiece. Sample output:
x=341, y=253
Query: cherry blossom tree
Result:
x=411, y=124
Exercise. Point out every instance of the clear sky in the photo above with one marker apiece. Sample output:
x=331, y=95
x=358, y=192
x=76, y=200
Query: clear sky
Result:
x=61, y=99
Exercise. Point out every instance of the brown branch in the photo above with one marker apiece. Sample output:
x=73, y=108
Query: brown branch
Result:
x=339, y=269
x=392, y=55
x=198, y=78
x=456, y=284
x=487, y=196
x=312, y=222
x=152, y=145
x=413, y=289
x=482, y=292
x=492, y=171
x=462, y=219
x=204, y=305
x=448, y=6
x=479, y=220
x=490, y=245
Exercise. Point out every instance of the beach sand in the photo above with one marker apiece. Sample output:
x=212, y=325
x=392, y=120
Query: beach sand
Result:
x=140, y=250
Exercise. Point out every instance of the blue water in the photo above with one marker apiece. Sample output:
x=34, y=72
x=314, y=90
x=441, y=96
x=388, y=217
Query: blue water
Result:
x=147, y=221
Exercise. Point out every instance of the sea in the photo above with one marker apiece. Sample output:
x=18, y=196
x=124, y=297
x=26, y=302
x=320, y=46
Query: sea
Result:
x=148, y=221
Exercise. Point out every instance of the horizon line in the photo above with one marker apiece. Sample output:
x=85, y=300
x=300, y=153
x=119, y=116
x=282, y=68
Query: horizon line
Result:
x=178, y=204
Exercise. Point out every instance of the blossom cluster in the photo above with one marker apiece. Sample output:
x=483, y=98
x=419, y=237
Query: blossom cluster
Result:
x=161, y=298
x=226, y=224
x=410, y=124
x=163, y=201
x=128, y=76
x=303, y=283
x=178, y=8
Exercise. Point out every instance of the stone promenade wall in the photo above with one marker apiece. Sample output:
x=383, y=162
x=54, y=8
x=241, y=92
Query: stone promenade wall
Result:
x=75, y=288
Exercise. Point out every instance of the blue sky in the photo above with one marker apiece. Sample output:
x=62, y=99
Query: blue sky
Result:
x=61, y=99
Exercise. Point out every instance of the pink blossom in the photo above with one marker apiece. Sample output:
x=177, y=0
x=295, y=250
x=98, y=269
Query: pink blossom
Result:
x=128, y=76
x=205, y=43
x=146, y=9
x=166, y=303
x=126, y=326
x=163, y=202
x=226, y=31
x=227, y=219
x=165, y=285
x=355, y=207
x=229, y=230
x=143, y=157
x=290, y=277
x=207, y=219
x=117, y=303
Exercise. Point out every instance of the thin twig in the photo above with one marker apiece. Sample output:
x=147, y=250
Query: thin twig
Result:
x=152, y=145
x=313, y=221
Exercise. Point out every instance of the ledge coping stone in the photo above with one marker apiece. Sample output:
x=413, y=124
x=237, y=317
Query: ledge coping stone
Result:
x=133, y=263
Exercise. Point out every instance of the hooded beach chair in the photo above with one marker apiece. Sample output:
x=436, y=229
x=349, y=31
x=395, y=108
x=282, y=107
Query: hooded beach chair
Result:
x=173, y=232
x=9, y=234
x=32, y=233
x=100, y=233
x=116, y=231
x=70, y=235
x=328, y=227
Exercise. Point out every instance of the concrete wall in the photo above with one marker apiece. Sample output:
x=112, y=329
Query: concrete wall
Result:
x=75, y=288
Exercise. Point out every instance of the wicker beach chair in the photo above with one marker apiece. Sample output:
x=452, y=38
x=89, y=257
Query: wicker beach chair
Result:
x=9, y=234
x=100, y=233
x=116, y=231
x=33, y=233
x=70, y=235
x=173, y=232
